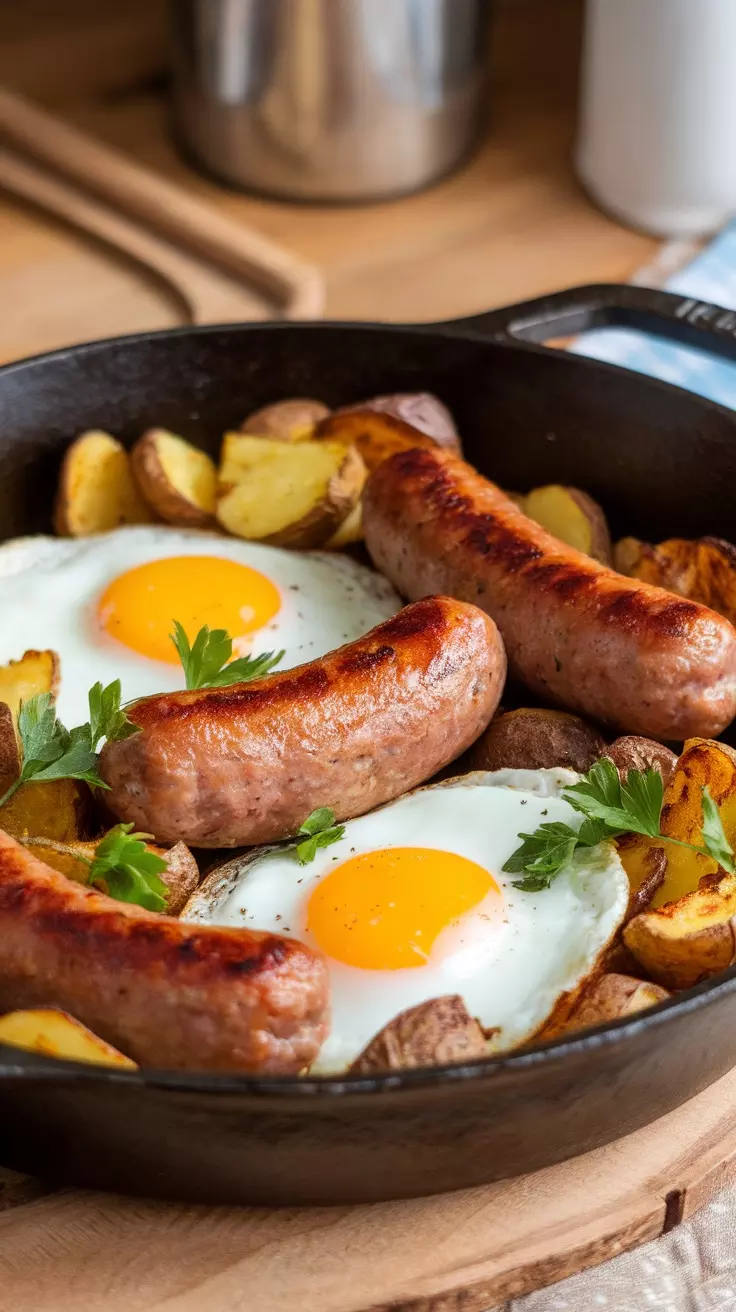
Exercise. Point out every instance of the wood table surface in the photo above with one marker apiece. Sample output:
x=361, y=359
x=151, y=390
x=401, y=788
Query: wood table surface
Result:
x=512, y=223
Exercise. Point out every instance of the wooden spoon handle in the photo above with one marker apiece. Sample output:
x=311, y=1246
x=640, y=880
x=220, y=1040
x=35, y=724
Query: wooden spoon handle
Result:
x=162, y=206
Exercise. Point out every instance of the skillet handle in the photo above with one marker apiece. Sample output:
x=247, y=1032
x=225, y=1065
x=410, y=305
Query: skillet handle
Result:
x=564, y=314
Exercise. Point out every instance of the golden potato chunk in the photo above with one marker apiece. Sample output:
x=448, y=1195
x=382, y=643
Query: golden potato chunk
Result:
x=531, y=739
x=703, y=570
x=176, y=479
x=375, y=435
x=288, y=494
x=59, y=809
x=573, y=517
x=435, y=1033
x=689, y=939
x=35, y=672
x=54, y=1033
x=286, y=421
x=181, y=875
x=349, y=532
x=610, y=997
x=97, y=491
x=645, y=863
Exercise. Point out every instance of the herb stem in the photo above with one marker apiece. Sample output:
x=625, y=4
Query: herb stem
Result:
x=11, y=791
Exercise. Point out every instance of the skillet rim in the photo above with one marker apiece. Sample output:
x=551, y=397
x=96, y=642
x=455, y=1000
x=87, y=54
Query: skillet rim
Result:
x=16, y=1063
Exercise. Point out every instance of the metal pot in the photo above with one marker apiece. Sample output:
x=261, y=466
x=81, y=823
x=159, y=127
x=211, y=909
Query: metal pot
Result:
x=329, y=99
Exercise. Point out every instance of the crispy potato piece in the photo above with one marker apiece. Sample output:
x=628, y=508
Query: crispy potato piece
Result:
x=422, y=411
x=181, y=875
x=54, y=1033
x=288, y=494
x=60, y=809
x=610, y=997
x=349, y=532
x=531, y=739
x=376, y=435
x=689, y=939
x=702, y=762
x=434, y=1033
x=645, y=862
x=573, y=517
x=176, y=479
x=287, y=421
x=633, y=753
x=35, y=672
x=9, y=749
x=703, y=570
x=97, y=491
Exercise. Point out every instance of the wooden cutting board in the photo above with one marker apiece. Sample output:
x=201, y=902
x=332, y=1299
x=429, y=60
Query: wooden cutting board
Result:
x=462, y=1252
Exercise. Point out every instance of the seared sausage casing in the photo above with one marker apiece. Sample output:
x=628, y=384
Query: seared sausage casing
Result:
x=628, y=654
x=248, y=763
x=167, y=994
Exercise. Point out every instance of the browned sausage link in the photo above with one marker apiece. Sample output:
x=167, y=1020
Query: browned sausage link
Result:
x=248, y=764
x=621, y=651
x=167, y=994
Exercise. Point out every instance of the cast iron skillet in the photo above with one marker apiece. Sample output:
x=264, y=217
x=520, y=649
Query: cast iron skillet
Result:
x=663, y=463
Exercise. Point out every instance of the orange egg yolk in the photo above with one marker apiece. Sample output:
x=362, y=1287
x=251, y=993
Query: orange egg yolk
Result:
x=139, y=607
x=383, y=910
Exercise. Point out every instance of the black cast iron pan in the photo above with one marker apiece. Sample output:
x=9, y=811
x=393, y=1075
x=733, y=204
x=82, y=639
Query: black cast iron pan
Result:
x=663, y=463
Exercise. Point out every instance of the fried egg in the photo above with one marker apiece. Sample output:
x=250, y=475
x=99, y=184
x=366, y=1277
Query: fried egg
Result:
x=107, y=604
x=413, y=903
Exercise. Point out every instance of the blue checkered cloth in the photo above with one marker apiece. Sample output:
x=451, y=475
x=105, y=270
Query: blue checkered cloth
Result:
x=710, y=277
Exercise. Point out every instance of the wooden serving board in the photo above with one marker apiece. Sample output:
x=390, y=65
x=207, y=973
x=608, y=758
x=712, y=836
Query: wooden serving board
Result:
x=464, y=1252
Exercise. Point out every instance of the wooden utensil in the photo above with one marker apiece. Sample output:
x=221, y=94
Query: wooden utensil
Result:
x=200, y=253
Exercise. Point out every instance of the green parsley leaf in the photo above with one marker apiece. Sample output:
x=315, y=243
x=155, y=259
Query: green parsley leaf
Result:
x=207, y=661
x=49, y=751
x=124, y=868
x=319, y=830
x=714, y=837
x=611, y=808
x=107, y=719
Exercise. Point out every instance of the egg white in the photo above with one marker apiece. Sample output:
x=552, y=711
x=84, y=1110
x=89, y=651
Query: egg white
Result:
x=50, y=587
x=510, y=963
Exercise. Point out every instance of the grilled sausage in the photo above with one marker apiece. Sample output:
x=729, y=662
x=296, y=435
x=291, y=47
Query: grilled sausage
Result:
x=248, y=763
x=168, y=994
x=628, y=654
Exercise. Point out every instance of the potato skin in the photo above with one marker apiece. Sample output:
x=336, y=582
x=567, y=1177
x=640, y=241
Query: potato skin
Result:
x=608, y=998
x=634, y=753
x=422, y=411
x=531, y=739
x=434, y=1033
x=293, y=420
x=156, y=489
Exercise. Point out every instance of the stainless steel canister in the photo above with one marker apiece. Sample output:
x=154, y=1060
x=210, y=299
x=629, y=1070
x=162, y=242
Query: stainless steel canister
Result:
x=330, y=99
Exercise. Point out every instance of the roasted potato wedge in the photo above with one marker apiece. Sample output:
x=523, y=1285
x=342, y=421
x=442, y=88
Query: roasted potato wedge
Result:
x=645, y=862
x=35, y=672
x=54, y=1033
x=703, y=570
x=60, y=809
x=176, y=479
x=435, y=1033
x=573, y=517
x=633, y=753
x=610, y=997
x=349, y=532
x=97, y=491
x=531, y=739
x=181, y=875
x=288, y=494
x=375, y=435
x=286, y=421
x=689, y=939
x=422, y=411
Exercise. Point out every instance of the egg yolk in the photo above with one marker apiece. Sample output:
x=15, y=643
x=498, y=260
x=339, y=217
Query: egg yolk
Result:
x=139, y=607
x=383, y=910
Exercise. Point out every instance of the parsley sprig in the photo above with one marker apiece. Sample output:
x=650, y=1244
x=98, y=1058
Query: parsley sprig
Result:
x=49, y=751
x=611, y=808
x=319, y=830
x=207, y=661
x=124, y=868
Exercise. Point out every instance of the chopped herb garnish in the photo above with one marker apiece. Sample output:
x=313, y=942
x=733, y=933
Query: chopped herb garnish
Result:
x=208, y=663
x=319, y=830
